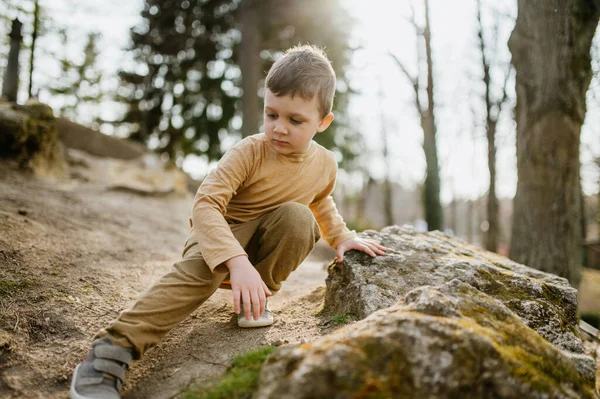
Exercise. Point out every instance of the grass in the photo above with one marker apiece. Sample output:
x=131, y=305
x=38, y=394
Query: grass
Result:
x=11, y=288
x=240, y=379
x=339, y=319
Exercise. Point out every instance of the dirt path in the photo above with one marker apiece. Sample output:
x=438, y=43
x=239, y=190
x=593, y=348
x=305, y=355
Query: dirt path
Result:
x=73, y=254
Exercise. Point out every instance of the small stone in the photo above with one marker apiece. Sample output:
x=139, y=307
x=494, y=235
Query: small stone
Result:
x=22, y=212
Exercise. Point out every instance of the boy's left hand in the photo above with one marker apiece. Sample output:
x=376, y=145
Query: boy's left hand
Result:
x=370, y=247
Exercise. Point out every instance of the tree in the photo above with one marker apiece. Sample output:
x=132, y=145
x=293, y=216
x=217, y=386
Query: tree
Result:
x=250, y=64
x=79, y=83
x=550, y=46
x=34, y=35
x=431, y=192
x=388, y=199
x=10, y=10
x=200, y=65
x=10, y=84
x=493, y=108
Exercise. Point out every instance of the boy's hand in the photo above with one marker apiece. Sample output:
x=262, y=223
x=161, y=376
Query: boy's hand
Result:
x=370, y=247
x=248, y=286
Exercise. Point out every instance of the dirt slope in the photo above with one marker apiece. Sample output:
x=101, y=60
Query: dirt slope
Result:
x=74, y=253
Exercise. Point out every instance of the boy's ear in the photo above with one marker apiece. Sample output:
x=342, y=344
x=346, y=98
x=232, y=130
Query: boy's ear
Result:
x=325, y=122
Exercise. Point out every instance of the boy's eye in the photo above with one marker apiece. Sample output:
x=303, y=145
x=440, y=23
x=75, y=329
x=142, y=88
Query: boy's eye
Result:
x=271, y=116
x=295, y=121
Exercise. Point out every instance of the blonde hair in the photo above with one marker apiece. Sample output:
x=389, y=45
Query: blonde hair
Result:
x=304, y=71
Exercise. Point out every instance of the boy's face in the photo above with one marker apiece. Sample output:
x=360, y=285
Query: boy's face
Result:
x=292, y=122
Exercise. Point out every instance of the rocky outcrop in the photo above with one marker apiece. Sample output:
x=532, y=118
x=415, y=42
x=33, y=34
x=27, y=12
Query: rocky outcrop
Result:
x=545, y=302
x=450, y=341
x=28, y=133
x=78, y=137
x=146, y=175
x=444, y=319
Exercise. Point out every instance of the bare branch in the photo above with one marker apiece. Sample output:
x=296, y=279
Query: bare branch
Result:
x=413, y=80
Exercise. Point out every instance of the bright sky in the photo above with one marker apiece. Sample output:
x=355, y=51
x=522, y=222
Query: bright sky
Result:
x=385, y=91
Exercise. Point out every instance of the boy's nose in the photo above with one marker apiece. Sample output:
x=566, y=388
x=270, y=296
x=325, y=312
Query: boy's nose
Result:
x=279, y=128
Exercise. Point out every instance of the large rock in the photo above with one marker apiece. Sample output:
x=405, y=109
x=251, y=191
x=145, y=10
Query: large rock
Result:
x=449, y=341
x=544, y=302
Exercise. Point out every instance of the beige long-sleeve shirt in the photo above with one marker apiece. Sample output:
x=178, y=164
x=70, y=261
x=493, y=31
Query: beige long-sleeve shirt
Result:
x=253, y=179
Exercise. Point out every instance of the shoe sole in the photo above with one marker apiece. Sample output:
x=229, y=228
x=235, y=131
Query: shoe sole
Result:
x=254, y=323
x=72, y=393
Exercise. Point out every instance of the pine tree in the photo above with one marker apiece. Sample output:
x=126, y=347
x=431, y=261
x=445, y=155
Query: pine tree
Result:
x=185, y=94
x=79, y=83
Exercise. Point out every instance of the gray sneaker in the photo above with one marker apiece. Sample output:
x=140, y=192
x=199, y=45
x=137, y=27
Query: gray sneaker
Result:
x=265, y=319
x=101, y=374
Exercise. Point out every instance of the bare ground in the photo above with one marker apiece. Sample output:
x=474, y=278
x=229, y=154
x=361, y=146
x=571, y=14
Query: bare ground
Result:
x=73, y=254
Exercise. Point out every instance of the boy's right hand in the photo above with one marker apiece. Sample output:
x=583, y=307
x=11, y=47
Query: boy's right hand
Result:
x=247, y=286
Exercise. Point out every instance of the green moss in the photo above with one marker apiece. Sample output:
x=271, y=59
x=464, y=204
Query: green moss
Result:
x=36, y=133
x=340, y=319
x=10, y=288
x=500, y=285
x=240, y=380
x=526, y=353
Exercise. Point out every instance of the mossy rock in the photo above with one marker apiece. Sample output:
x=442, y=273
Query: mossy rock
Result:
x=449, y=341
x=29, y=134
x=545, y=303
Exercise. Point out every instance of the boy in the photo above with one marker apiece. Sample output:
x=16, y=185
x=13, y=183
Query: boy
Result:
x=254, y=220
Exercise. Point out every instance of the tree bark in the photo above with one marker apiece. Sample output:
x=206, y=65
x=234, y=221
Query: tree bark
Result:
x=433, y=205
x=550, y=46
x=250, y=65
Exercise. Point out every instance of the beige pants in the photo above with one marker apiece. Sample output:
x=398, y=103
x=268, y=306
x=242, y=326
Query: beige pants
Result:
x=276, y=244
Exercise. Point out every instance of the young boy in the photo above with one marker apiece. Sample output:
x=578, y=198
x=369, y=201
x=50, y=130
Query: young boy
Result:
x=254, y=220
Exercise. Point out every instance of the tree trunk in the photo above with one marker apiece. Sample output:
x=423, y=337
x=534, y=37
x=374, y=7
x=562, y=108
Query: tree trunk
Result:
x=250, y=64
x=454, y=215
x=363, y=202
x=550, y=46
x=470, y=221
x=10, y=87
x=36, y=22
x=491, y=238
x=433, y=206
x=387, y=202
